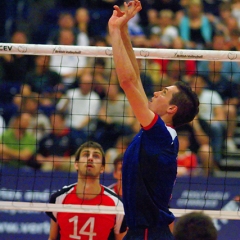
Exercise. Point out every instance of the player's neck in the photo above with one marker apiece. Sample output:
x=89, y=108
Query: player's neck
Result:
x=167, y=120
x=88, y=189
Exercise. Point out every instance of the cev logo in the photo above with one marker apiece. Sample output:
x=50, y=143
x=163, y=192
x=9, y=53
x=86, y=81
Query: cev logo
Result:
x=5, y=48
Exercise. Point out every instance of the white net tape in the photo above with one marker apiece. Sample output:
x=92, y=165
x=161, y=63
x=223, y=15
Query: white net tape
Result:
x=48, y=207
x=91, y=51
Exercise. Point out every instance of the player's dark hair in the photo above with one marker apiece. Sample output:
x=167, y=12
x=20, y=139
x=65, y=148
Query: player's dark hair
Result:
x=90, y=144
x=187, y=102
x=117, y=160
x=195, y=225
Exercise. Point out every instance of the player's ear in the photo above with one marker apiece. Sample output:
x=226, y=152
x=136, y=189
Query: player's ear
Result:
x=76, y=165
x=172, y=109
x=102, y=169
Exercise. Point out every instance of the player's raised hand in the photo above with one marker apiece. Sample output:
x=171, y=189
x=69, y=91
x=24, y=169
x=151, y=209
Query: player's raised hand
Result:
x=120, y=18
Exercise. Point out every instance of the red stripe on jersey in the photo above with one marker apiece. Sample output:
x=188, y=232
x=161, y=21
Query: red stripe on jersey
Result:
x=152, y=123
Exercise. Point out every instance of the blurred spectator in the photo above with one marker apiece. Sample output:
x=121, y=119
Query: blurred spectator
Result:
x=211, y=115
x=229, y=92
x=219, y=22
x=114, y=119
x=235, y=10
x=174, y=69
x=68, y=66
x=117, y=174
x=173, y=5
x=199, y=145
x=39, y=124
x=179, y=70
x=65, y=21
x=82, y=104
x=112, y=153
x=103, y=76
x=15, y=67
x=10, y=99
x=232, y=25
x=195, y=28
x=234, y=41
x=58, y=92
x=83, y=27
x=153, y=23
x=13, y=70
x=154, y=75
x=146, y=77
x=17, y=145
x=187, y=160
x=195, y=225
x=56, y=149
x=136, y=32
x=99, y=41
x=166, y=30
x=230, y=69
x=42, y=78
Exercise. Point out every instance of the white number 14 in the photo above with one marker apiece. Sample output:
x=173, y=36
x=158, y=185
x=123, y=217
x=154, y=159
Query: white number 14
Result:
x=89, y=223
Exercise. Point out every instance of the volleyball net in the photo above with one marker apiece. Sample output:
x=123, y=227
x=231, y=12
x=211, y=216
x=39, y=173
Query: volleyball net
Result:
x=159, y=67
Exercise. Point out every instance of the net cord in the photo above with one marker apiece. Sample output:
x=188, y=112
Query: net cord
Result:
x=49, y=207
x=94, y=51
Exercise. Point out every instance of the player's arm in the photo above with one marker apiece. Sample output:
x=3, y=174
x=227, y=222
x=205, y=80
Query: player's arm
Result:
x=125, y=63
x=120, y=236
x=53, y=231
x=129, y=49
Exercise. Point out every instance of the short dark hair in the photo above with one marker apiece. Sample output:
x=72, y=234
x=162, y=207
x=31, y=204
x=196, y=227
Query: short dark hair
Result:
x=195, y=225
x=187, y=102
x=61, y=114
x=117, y=160
x=90, y=144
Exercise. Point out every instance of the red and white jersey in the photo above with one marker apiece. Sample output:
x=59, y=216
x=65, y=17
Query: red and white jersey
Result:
x=115, y=188
x=87, y=226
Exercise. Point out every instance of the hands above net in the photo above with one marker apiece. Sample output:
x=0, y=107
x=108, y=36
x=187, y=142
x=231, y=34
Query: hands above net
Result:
x=120, y=18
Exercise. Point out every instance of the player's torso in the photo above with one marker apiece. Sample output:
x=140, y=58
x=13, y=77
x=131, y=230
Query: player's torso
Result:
x=86, y=226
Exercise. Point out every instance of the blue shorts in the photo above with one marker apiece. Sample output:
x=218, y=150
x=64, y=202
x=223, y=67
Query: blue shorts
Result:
x=156, y=233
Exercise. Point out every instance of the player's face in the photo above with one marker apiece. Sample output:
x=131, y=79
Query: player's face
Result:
x=161, y=99
x=90, y=163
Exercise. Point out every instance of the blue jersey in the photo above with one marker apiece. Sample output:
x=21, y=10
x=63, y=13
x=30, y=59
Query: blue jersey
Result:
x=149, y=173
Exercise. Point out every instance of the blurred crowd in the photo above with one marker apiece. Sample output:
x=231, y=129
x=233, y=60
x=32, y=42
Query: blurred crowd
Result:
x=49, y=105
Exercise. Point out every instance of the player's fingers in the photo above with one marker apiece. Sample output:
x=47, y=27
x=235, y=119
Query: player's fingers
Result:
x=115, y=13
x=120, y=13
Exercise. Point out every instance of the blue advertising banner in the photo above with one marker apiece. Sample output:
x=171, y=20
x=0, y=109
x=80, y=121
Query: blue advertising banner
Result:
x=210, y=194
x=26, y=185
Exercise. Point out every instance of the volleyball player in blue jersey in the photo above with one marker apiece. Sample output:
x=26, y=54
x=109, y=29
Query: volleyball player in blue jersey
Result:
x=149, y=165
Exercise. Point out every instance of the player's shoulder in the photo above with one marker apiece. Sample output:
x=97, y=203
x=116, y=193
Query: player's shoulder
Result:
x=172, y=132
x=61, y=192
x=111, y=194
